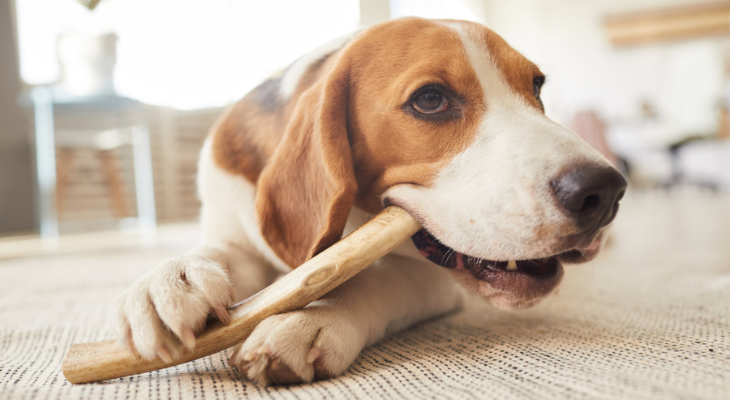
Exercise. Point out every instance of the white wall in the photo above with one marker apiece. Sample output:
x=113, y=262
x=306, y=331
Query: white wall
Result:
x=683, y=80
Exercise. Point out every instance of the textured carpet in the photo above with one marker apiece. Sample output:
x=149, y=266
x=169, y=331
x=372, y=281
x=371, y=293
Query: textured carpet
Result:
x=649, y=319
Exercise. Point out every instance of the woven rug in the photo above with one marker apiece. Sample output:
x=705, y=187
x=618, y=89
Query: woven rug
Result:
x=649, y=319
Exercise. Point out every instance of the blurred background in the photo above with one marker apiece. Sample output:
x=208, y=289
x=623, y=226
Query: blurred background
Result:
x=104, y=104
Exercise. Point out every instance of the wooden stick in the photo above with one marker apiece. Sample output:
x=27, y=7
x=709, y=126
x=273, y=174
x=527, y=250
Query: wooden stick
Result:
x=91, y=362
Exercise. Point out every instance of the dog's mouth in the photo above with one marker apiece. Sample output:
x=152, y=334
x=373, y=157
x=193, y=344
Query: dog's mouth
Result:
x=529, y=278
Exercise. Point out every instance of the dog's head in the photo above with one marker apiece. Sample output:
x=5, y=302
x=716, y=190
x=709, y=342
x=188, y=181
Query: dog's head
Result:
x=444, y=119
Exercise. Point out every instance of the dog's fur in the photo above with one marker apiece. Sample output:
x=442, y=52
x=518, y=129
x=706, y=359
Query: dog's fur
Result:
x=311, y=153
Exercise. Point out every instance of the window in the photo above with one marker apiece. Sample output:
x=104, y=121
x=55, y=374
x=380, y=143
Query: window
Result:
x=184, y=53
x=439, y=9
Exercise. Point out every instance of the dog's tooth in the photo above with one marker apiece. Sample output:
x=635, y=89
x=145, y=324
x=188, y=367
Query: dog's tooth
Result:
x=511, y=265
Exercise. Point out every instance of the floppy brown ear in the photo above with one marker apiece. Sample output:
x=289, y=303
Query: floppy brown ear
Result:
x=305, y=192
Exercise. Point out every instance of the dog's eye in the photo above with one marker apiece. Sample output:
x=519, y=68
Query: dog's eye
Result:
x=430, y=101
x=537, y=83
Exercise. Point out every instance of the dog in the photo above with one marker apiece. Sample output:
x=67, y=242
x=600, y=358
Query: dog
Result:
x=440, y=117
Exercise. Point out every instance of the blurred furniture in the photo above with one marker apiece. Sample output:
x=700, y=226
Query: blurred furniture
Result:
x=591, y=128
x=665, y=155
x=701, y=162
x=679, y=175
x=105, y=145
x=103, y=123
x=176, y=138
x=669, y=23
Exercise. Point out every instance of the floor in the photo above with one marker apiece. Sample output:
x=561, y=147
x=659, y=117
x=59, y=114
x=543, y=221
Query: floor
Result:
x=650, y=318
x=171, y=234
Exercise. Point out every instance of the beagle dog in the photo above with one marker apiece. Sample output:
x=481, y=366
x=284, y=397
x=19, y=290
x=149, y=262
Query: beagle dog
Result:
x=439, y=117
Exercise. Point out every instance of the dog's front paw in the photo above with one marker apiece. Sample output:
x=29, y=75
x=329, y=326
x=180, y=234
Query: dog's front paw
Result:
x=164, y=309
x=315, y=343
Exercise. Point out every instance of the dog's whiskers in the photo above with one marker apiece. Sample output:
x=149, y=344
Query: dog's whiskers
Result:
x=446, y=256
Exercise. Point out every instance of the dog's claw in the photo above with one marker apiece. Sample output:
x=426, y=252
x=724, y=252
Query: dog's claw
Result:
x=233, y=361
x=250, y=356
x=188, y=338
x=221, y=313
x=313, y=354
x=164, y=354
x=131, y=346
x=266, y=349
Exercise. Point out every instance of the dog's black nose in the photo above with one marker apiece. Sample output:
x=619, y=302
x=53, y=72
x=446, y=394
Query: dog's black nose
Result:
x=590, y=194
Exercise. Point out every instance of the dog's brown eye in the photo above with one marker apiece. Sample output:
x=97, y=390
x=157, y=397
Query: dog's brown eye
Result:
x=430, y=101
x=537, y=83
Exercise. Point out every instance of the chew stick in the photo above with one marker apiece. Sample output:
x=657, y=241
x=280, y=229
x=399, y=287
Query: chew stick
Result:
x=91, y=362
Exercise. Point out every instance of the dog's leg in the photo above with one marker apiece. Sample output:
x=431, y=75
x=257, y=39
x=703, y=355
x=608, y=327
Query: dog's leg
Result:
x=163, y=310
x=324, y=338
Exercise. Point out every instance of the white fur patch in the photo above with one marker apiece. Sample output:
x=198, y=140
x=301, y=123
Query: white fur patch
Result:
x=224, y=196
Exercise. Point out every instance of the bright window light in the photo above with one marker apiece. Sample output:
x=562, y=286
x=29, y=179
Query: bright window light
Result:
x=439, y=9
x=185, y=54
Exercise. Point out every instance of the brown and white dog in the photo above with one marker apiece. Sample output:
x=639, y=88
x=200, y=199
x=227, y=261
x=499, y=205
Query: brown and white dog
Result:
x=442, y=118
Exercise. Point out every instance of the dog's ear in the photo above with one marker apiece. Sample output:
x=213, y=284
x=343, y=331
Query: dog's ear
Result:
x=307, y=187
